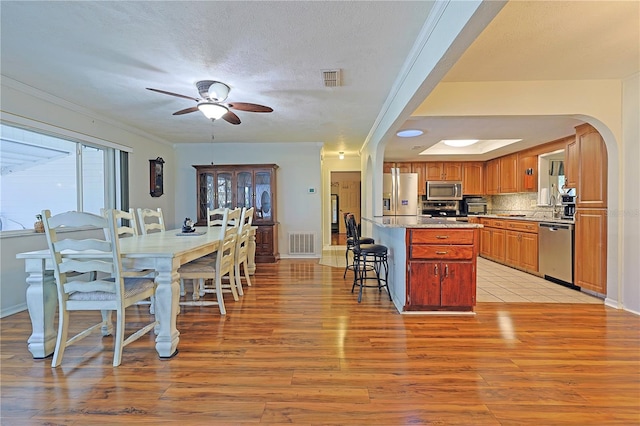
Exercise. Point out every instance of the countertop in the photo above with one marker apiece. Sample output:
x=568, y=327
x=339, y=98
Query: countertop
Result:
x=418, y=222
x=529, y=218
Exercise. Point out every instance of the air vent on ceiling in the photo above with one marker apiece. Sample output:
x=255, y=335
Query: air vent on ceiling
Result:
x=331, y=78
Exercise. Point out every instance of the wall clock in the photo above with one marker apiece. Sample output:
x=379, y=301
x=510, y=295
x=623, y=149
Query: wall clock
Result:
x=155, y=174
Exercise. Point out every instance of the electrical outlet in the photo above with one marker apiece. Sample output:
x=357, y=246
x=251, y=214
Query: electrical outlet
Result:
x=533, y=203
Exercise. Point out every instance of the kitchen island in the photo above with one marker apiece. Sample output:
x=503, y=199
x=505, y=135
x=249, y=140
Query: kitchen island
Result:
x=432, y=262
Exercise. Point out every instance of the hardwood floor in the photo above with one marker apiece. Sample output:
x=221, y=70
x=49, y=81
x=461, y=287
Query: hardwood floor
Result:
x=298, y=348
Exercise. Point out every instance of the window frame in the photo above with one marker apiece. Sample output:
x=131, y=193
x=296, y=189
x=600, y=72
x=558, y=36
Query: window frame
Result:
x=116, y=158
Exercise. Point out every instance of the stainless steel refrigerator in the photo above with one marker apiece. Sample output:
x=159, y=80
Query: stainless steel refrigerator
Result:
x=399, y=193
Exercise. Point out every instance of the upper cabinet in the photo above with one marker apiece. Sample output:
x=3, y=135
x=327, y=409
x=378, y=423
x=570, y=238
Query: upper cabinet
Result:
x=404, y=167
x=473, y=178
x=421, y=169
x=502, y=175
x=509, y=173
x=527, y=172
x=571, y=164
x=444, y=171
x=591, y=188
x=493, y=177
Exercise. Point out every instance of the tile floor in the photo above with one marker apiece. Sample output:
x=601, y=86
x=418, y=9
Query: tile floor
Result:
x=498, y=283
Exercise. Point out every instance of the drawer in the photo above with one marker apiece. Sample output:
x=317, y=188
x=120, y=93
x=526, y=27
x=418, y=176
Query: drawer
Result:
x=442, y=236
x=441, y=252
x=523, y=226
x=493, y=223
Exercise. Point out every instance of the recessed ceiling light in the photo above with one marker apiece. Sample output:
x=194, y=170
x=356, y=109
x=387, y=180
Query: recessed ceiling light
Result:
x=409, y=133
x=459, y=142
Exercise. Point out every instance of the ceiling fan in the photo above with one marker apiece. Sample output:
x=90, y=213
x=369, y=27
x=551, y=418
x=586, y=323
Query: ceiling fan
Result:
x=212, y=102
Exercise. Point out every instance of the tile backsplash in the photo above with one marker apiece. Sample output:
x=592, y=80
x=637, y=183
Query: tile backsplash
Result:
x=521, y=203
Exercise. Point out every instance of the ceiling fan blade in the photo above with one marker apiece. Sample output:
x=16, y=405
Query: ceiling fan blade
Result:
x=173, y=94
x=243, y=106
x=186, y=111
x=230, y=117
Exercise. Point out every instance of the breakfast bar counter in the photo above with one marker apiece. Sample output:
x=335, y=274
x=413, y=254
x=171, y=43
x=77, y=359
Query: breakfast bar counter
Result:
x=432, y=262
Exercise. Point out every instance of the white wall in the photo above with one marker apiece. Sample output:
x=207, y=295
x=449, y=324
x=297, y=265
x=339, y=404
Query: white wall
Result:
x=630, y=217
x=21, y=102
x=299, y=170
x=351, y=163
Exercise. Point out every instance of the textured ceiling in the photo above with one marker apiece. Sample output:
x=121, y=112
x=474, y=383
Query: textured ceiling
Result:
x=102, y=55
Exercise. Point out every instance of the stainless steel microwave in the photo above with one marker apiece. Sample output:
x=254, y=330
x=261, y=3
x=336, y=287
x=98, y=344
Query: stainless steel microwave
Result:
x=444, y=190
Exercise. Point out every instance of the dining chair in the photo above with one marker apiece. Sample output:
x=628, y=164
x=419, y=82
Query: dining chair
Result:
x=242, y=248
x=150, y=220
x=203, y=271
x=215, y=217
x=111, y=290
x=228, y=282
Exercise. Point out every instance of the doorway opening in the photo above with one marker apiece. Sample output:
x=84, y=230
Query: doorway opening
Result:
x=345, y=198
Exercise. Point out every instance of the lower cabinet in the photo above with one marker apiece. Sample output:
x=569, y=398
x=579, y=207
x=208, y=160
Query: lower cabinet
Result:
x=441, y=271
x=590, y=264
x=442, y=284
x=510, y=242
x=492, y=240
x=267, y=244
x=521, y=250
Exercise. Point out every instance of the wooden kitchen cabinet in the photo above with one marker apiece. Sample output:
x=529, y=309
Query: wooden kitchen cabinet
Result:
x=527, y=173
x=590, y=264
x=492, y=239
x=473, y=178
x=502, y=175
x=591, y=188
x=444, y=171
x=521, y=245
x=571, y=165
x=405, y=167
x=421, y=169
x=493, y=177
x=243, y=185
x=509, y=174
x=441, y=272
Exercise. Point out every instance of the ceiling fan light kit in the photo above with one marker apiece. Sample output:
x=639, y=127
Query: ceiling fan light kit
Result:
x=212, y=110
x=213, y=94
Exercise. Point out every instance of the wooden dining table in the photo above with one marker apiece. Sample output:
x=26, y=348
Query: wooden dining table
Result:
x=163, y=252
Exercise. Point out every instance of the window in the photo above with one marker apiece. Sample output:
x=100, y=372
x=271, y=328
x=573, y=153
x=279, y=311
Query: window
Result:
x=42, y=171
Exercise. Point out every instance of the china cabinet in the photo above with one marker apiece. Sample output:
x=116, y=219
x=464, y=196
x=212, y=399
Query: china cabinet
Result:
x=242, y=185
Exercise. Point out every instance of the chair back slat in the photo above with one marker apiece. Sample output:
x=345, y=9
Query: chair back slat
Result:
x=216, y=217
x=84, y=287
x=84, y=245
x=150, y=220
x=83, y=266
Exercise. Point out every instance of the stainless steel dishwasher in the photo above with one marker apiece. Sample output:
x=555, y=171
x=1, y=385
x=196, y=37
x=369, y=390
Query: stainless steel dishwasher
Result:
x=555, y=252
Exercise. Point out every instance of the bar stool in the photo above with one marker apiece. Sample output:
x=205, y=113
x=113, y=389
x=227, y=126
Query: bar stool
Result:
x=368, y=258
x=361, y=240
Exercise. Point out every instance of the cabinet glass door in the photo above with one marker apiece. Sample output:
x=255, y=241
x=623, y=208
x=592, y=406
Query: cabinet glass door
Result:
x=244, y=189
x=225, y=190
x=264, y=203
x=207, y=194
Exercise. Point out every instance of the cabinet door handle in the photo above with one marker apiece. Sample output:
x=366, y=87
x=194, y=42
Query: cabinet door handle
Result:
x=442, y=252
x=446, y=270
x=435, y=270
x=442, y=237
